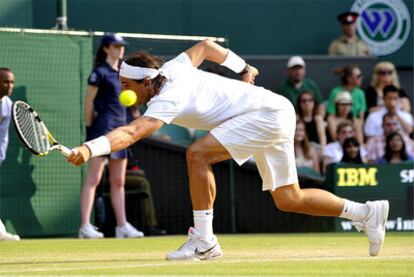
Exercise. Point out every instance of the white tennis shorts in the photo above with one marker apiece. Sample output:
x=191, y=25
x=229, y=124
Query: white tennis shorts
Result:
x=268, y=137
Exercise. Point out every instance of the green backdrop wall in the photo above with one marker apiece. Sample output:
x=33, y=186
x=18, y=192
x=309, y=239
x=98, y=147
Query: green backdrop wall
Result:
x=40, y=196
x=259, y=27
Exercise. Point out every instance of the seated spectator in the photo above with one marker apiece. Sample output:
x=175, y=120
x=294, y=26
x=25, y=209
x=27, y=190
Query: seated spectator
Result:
x=307, y=112
x=349, y=44
x=305, y=154
x=395, y=150
x=343, y=105
x=384, y=75
x=296, y=82
x=373, y=124
x=352, y=152
x=376, y=145
x=351, y=79
x=333, y=151
x=136, y=180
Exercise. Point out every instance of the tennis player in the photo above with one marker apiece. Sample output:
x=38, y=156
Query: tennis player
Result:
x=244, y=121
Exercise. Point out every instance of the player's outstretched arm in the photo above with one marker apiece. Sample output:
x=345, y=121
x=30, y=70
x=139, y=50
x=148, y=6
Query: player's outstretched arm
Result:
x=117, y=139
x=211, y=51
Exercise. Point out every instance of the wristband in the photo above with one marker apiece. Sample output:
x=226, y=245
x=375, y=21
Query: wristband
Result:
x=245, y=70
x=234, y=62
x=99, y=146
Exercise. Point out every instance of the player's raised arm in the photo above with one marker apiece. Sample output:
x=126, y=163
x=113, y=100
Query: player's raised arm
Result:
x=211, y=51
x=119, y=138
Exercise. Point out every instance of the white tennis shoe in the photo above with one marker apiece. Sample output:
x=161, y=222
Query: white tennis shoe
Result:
x=207, y=250
x=89, y=232
x=127, y=231
x=195, y=249
x=186, y=252
x=8, y=236
x=374, y=224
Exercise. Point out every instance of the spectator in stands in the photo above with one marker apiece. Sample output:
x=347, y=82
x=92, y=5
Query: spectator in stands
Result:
x=343, y=105
x=307, y=111
x=352, y=152
x=6, y=90
x=384, y=75
x=296, y=82
x=351, y=79
x=333, y=151
x=395, y=150
x=103, y=112
x=373, y=124
x=376, y=145
x=305, y=154
x=349, y=44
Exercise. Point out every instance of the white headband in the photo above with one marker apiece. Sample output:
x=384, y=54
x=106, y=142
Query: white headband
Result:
x=137, y=72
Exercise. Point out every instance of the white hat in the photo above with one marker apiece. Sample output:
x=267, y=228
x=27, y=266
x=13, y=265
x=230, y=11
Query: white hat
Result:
x=294, y=61
x=343, y=98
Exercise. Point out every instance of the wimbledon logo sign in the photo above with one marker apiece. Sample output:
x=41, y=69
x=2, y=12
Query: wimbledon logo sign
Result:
x=383, y=24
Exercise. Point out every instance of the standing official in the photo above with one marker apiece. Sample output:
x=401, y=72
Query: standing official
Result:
x=349, y=44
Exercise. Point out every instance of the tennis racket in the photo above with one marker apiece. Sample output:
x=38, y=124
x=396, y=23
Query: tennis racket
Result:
x=33, y=133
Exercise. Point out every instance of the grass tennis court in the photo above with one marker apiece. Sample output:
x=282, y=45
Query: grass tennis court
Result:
x=255, y=255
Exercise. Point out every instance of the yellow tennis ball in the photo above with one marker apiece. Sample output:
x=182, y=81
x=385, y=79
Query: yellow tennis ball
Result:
x=128, y=98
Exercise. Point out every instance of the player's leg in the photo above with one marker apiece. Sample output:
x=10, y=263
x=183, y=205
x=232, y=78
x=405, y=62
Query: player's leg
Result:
x=117, y=171
x=91, y=182
x=202, y=244
x=201, y=155
x=370, y=217
x=307, y=201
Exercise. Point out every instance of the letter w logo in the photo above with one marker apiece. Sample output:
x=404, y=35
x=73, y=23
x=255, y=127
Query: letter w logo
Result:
x=378, y=20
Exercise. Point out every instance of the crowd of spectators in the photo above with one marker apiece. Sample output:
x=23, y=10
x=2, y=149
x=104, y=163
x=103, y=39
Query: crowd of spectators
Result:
x=353, y=124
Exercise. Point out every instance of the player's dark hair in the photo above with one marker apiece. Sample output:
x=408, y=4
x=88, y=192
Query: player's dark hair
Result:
x=388, y=151
x=5, y=69
x=345, y=72
x=144, y=59
x=346, y=158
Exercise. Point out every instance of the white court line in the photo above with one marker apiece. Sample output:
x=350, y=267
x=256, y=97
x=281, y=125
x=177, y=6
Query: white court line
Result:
x=230, y=261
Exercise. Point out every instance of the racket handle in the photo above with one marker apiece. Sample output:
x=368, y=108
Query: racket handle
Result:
x=65, y=151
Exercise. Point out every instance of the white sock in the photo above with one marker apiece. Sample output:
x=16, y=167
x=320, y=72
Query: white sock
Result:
x=2, y=227
x=203, y=222
x=354, y=211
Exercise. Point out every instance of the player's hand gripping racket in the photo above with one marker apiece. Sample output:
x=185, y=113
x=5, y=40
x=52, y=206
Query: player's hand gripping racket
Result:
x=33, y=132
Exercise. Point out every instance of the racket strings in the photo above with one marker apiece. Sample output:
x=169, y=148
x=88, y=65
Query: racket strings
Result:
x=32, y=130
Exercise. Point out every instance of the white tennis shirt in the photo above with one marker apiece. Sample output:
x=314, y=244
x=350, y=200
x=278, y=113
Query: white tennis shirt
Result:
x=5, y=116
x=194, y=98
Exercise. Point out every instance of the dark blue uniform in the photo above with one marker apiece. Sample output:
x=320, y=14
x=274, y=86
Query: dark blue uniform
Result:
x=108, y=112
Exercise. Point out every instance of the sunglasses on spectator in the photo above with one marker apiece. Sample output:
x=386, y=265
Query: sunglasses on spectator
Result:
x=304, y=100
x=385, y=72
x=359, y=76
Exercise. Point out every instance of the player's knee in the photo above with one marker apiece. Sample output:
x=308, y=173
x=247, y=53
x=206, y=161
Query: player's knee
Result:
x=195, y=154
x=287, y=200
